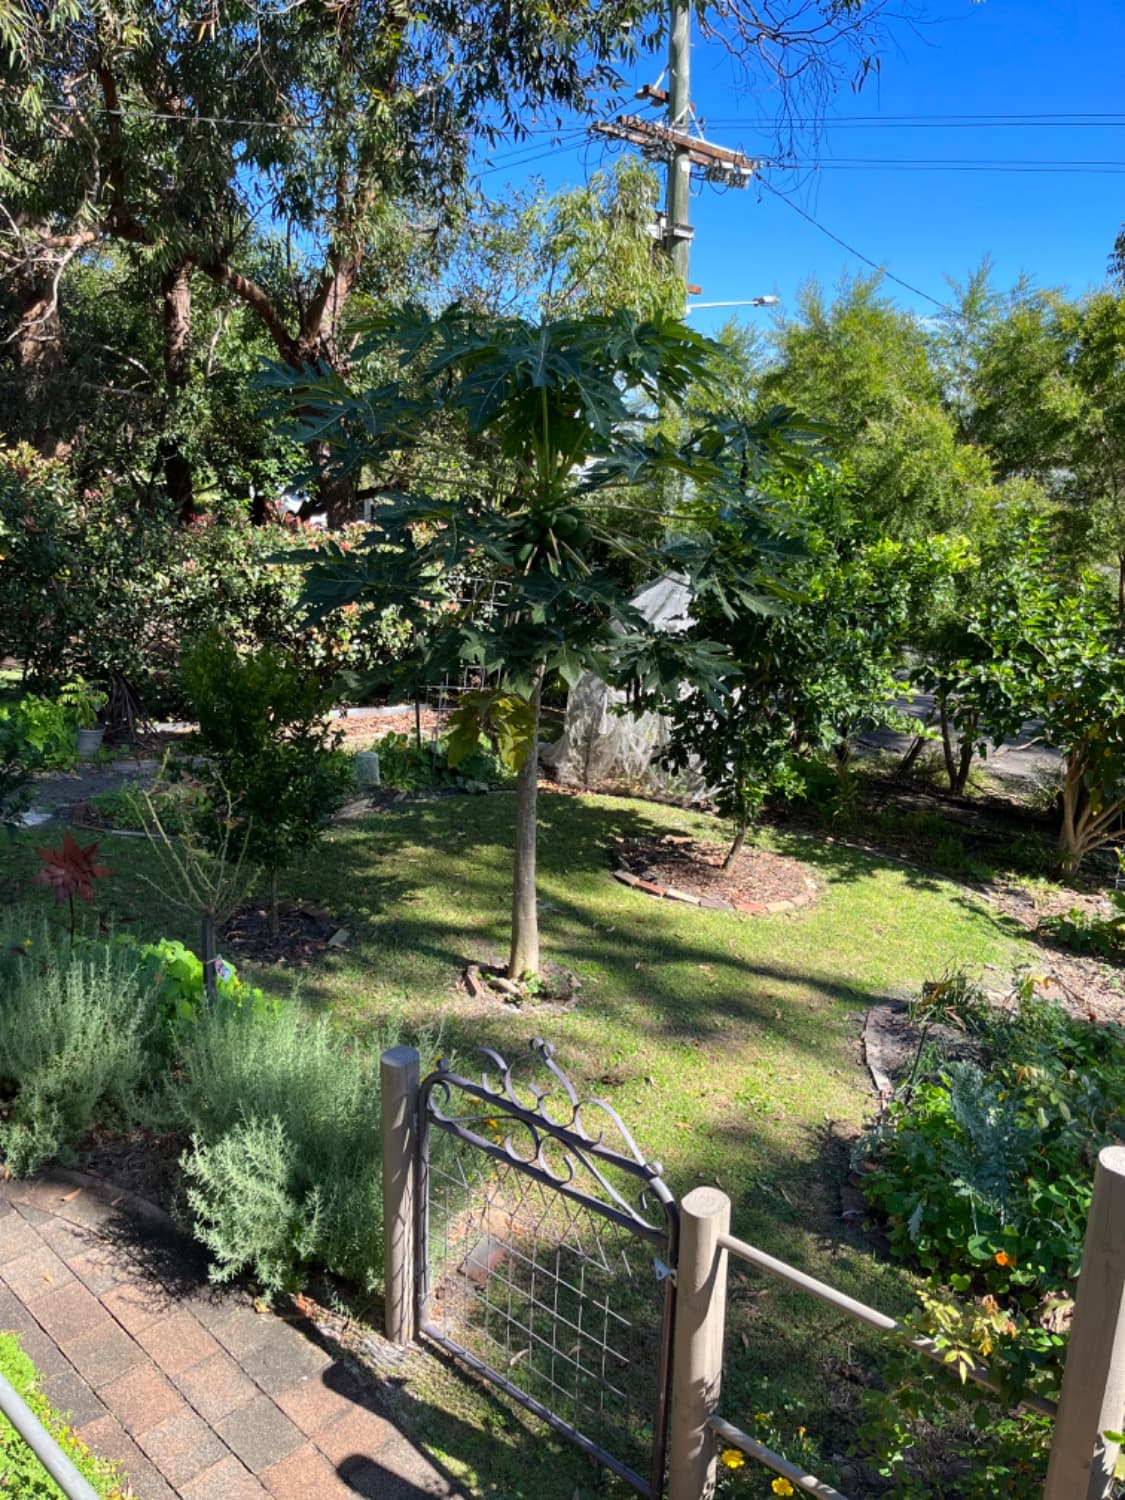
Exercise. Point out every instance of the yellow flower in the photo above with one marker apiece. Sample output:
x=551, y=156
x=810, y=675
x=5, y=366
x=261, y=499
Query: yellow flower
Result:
x=733, y=1458
x=761, y=1416
x=781, y=1486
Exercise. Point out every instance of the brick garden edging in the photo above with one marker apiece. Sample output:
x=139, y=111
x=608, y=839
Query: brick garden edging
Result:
x=716, y=903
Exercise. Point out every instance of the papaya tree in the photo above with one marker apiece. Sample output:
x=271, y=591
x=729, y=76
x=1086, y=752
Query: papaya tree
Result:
x=552, y=416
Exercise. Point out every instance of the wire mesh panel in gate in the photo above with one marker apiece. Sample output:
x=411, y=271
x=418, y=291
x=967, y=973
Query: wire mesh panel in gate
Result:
x=546, y=1251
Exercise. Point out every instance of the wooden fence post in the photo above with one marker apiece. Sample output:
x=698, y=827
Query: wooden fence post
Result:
x=697, y=1348
x=399, y=1074
x=1093, y=1388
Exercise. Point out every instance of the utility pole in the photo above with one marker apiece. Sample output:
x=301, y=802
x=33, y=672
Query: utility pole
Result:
x=678, y=197
x=683, y=152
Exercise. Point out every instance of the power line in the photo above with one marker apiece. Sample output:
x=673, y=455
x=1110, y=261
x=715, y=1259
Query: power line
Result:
x=1066, y=169
x=928, y=122
x=918, y=292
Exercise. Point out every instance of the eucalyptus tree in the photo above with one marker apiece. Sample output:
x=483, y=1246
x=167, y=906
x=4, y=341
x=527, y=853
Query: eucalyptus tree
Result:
x=176, y=128
x=560, y=413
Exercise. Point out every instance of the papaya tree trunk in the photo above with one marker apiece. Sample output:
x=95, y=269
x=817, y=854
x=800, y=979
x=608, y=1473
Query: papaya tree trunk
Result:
x=524, y=957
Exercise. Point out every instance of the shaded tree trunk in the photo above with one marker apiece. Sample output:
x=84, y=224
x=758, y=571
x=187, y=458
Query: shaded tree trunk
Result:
x=38, y=353
x=179, y=479
x=315, y=342
x=208, y=954
x=524, y=956
x=959, y=757
x=736, y=847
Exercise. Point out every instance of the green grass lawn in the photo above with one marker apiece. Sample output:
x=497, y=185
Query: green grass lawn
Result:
x=729, y=1045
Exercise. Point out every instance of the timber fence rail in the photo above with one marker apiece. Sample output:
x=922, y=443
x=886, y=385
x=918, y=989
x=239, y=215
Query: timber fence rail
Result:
x=1092, y=1403
x=1091, y=1407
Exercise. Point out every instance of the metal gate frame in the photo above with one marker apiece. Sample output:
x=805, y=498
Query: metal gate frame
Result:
x=581, y=1148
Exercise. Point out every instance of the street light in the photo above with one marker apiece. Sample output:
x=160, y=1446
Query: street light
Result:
x=749, y=302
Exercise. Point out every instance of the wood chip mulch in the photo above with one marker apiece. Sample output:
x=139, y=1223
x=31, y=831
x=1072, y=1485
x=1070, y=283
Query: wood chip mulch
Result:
x=306, y=933
x=680, y=868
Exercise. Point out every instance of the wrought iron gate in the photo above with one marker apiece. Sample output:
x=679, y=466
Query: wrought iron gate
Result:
x=546, y=1258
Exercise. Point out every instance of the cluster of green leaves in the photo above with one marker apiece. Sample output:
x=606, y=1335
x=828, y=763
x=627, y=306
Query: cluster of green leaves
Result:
x=270, y=750
x=78, y=1043
x=98, y=582
x=926, y=1439
x=985, y=1170
x=22, y=1475
x=41, y=732
x=177, y=985
x=285, y=1165
x=813, y=671
x=1084, y=932
x=126, y=808
x=284, y=1168
x=408, y=766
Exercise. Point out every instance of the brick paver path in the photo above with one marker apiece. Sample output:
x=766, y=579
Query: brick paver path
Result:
x=193, y=1391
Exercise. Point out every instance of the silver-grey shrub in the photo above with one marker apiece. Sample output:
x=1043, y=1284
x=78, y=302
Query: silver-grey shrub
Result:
x=285, y=1167
x=75, y=1026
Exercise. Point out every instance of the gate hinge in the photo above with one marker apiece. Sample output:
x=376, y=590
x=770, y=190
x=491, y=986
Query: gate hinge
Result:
x=663, y=1272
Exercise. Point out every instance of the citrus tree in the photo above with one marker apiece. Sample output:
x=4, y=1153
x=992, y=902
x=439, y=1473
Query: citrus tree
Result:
x=552, y=416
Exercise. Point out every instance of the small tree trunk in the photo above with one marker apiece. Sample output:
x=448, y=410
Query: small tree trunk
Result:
x=917, y=745
x=335, y=492
x=275, y=921
x=1070, y=844
x=947, y=746
x=964, y=765
x=208, y=954
x=524, y=957
x=179, y=480
x=736, y=848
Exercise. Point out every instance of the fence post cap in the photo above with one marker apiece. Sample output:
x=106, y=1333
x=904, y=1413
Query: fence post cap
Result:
x=1112, y=1159
x=704, y=1202
x=400, y=1056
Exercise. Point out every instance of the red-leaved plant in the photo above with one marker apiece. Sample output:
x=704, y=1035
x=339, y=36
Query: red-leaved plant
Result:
x=71, y=871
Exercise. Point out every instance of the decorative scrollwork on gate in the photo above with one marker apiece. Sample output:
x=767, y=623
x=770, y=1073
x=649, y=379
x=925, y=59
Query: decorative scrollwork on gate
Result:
x=547, y=1243
x=563, y=1153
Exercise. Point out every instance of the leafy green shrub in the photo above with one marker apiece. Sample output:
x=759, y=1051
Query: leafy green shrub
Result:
x=271, y=752
x=285, y=1164
x=22, y=1476
x=408, y=766
x=98, y=582
x=126, y=808
x=43, y=728
x=986, y=1171
x=75, y=1034
x=175, y=975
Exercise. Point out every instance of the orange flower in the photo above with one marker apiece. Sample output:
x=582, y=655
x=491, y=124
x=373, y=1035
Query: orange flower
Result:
x=1004, y=1259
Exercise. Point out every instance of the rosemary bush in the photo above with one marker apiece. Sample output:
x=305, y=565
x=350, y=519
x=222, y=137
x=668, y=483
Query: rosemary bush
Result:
x=285, y=1165
x=75, y=1032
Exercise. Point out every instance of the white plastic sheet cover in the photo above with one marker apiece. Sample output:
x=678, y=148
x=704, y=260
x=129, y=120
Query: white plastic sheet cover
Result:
x=600, y=746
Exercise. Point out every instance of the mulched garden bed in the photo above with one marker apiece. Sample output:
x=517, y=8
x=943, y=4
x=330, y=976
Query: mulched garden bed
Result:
x=139, y=1161
x=306, y=933
x=680, y=868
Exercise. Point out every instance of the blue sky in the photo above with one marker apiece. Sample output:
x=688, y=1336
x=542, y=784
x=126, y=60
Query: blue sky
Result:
x=1000, y=57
